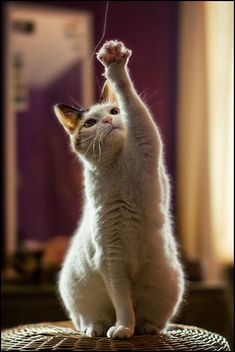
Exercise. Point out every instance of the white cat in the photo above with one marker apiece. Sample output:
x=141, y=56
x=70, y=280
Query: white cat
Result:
x=121, y=274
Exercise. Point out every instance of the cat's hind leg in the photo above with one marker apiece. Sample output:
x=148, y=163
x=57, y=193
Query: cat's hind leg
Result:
x=150, y=318
x=90, y=326
x=157, y=298
x=93, y=317
x=89, y=306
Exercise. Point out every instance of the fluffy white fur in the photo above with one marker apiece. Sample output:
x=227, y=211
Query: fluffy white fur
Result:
x=121, y=274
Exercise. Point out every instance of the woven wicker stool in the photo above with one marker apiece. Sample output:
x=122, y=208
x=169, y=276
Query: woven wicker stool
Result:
x=62, y=336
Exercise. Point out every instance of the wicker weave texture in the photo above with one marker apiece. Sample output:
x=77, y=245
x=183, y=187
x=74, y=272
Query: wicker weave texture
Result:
x=62, y=336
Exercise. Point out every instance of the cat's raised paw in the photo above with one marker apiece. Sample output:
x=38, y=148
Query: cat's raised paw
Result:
x=120, y=332
x=113, y=52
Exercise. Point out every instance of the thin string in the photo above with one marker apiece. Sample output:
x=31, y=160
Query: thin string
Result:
x=103, y=34
x=98, y=83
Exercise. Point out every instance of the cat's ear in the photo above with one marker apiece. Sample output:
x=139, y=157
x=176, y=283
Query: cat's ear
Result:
x=107, y=94
x=68, y=116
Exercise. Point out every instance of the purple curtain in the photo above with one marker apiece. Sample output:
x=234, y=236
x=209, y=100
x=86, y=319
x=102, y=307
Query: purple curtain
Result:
x=49, y=187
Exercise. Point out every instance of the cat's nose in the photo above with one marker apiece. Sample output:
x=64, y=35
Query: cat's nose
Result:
x=107, y=119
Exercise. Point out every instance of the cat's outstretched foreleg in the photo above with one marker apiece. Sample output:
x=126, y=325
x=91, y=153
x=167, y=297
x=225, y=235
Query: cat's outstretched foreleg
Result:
x=115, y=56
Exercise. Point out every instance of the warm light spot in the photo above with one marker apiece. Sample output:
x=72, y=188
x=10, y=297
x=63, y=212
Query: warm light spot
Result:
x=219, y=55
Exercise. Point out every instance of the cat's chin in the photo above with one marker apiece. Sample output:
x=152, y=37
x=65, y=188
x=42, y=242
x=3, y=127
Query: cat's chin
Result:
x=116, y=132
x=116, y=137
x=114, y=129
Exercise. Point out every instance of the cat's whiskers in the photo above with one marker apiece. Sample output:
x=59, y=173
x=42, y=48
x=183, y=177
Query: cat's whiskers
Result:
x=90, y=145
x=88, y=138
x=93, y=147
x=102, y=133
x=105, y=131
x=100, y=146
x=96, y=137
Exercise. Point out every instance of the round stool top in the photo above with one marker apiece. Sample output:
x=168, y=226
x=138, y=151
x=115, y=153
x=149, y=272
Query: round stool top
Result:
x=63, y=336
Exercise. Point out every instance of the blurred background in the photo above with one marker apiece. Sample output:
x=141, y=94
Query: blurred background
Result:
x=182, y=65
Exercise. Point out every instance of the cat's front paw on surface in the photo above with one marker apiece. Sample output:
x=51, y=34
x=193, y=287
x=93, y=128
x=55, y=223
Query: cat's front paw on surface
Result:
x=120, y=332
x=113, y=52
x=95, y=330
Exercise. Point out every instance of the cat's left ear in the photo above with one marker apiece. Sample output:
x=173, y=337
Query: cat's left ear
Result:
x=68, y=116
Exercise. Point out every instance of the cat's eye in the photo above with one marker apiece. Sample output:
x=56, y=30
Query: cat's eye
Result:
x=114, y=111
x=90, y=122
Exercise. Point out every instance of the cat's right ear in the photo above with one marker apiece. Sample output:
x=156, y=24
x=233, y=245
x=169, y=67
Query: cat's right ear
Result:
x=68, y=116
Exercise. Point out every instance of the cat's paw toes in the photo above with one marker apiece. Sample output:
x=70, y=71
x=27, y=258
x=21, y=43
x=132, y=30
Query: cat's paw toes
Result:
x=120, y=332
x=148, y=329
x=113, y=51
x=95, y=330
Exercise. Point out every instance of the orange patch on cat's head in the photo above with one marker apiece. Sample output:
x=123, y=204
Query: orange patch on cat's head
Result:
x=107, y=93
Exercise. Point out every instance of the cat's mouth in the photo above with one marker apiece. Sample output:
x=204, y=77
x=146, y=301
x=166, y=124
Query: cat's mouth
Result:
x=111, y=129
x=115, y=128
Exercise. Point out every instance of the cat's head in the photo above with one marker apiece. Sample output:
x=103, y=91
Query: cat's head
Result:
x=97, y=134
